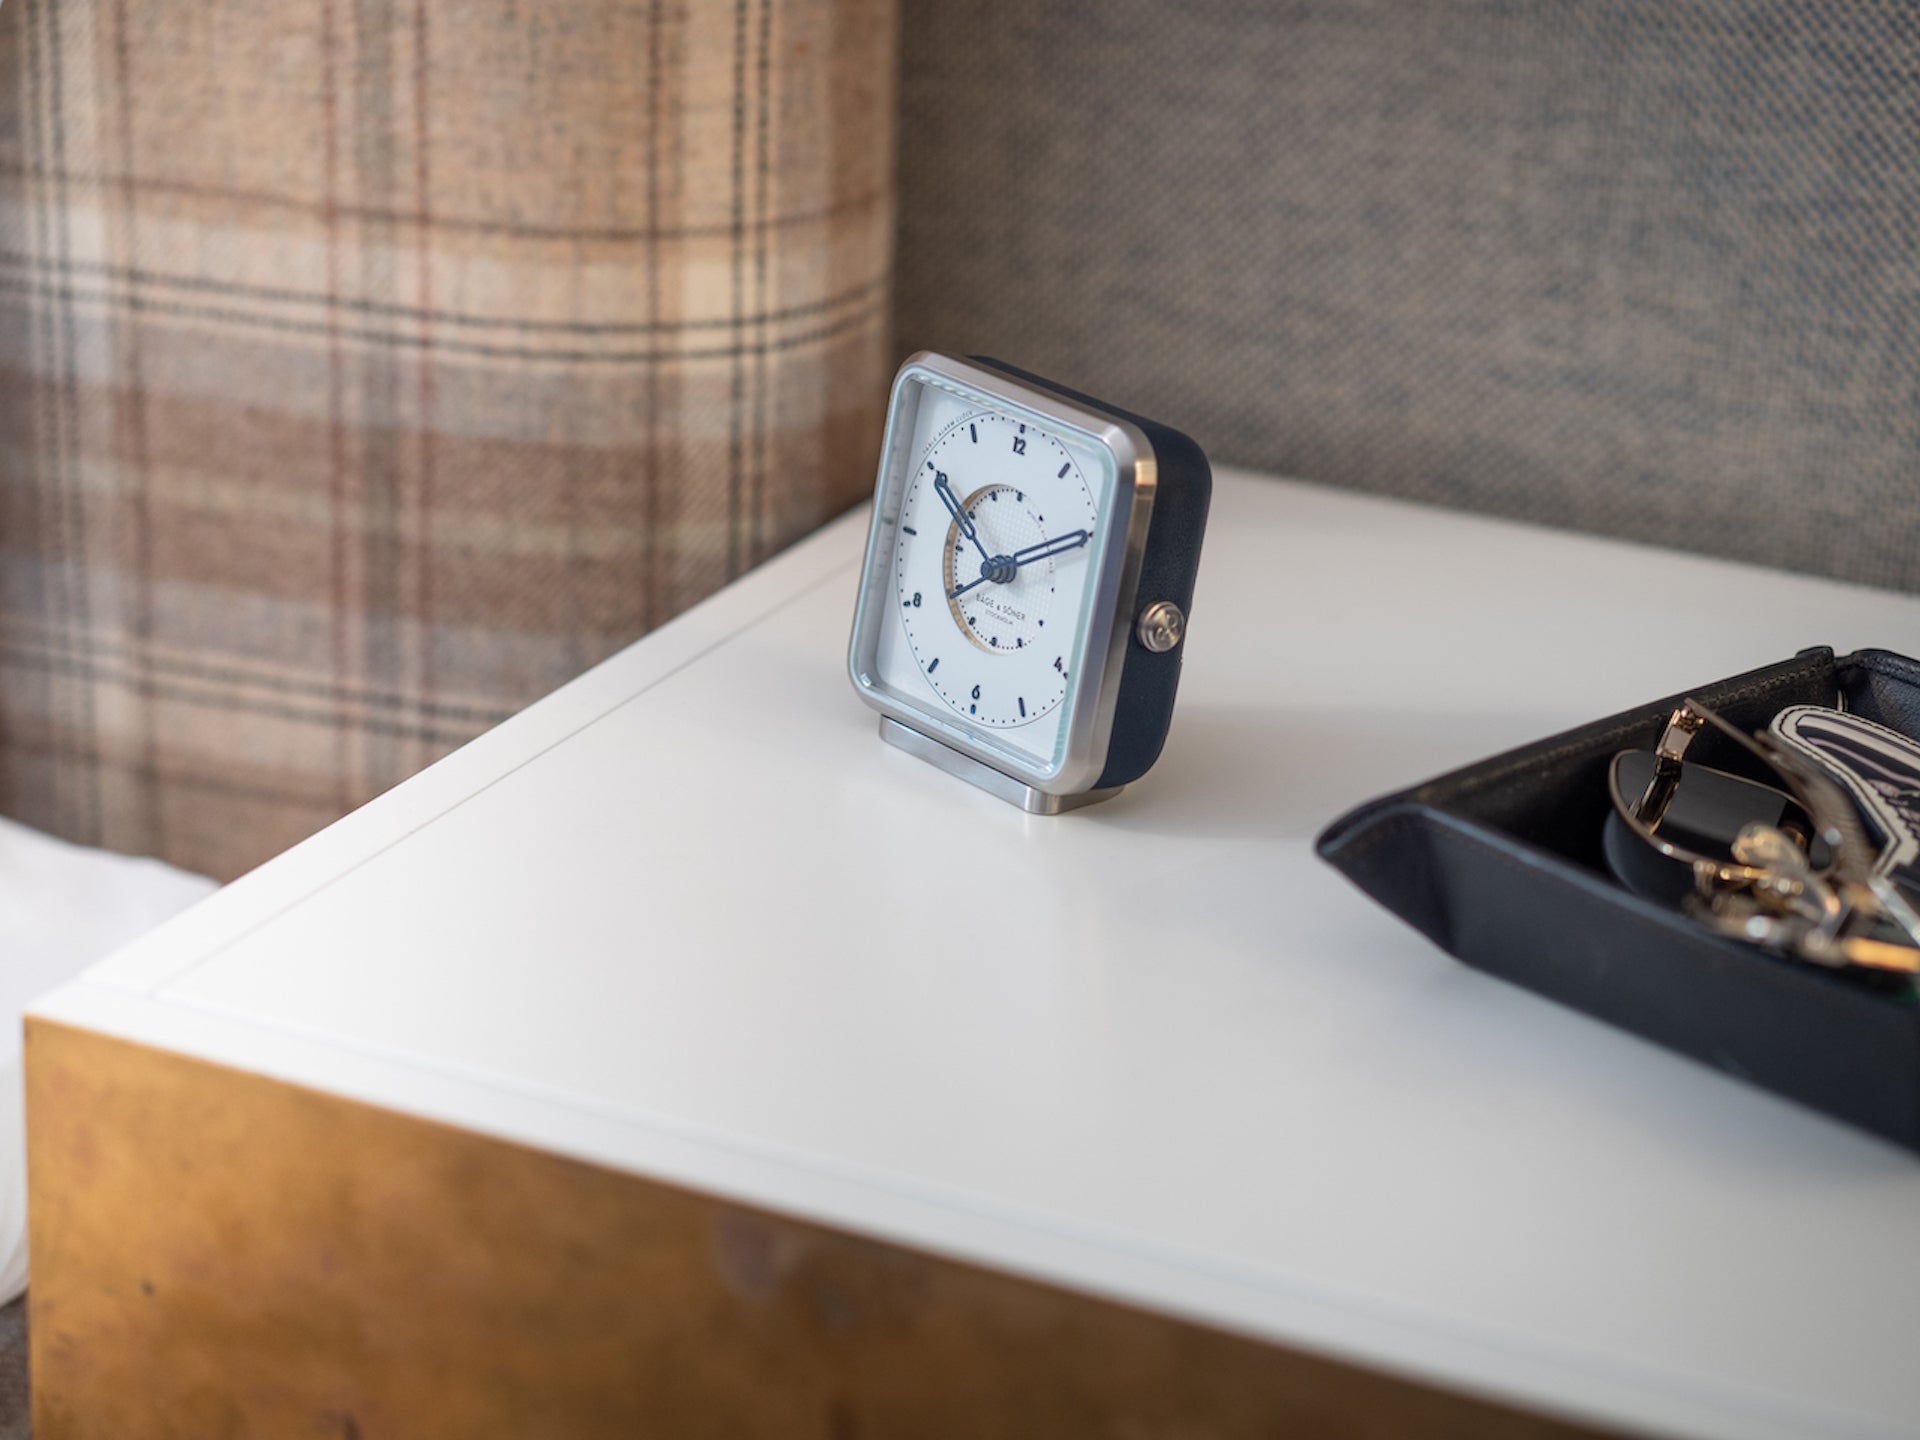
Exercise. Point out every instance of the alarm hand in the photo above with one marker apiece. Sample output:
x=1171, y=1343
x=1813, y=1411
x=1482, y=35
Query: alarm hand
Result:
x=960, y=516
x=1001, y=568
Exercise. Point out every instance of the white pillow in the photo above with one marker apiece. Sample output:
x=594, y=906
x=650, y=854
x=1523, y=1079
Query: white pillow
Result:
x=62, y=907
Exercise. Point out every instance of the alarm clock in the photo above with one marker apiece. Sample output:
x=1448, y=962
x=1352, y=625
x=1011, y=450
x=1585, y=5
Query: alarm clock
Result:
x=1029, y=571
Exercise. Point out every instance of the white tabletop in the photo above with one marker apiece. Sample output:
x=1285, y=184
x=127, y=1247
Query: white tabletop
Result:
x=689, y=917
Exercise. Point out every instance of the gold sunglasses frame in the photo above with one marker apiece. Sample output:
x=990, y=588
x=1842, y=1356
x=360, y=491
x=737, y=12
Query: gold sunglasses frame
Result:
x=1770, y=894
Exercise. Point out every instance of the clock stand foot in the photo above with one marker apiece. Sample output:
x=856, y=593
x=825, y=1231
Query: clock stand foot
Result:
x=1014, y=792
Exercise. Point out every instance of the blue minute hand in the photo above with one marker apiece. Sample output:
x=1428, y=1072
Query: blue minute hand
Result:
x=1002, y=567
x=960, y=516
x=1073, y=540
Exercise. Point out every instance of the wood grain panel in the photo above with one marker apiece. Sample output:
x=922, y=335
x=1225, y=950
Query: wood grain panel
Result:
x=215, y=1253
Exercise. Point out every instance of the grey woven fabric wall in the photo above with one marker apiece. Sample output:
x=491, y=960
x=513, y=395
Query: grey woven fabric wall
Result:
x=1643, y=268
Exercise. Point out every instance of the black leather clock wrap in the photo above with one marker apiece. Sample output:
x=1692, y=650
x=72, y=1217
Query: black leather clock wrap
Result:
x=1183, y=490
x=1500, y=865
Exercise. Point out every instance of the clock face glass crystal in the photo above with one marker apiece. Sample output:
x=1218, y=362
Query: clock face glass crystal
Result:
x=993, y=524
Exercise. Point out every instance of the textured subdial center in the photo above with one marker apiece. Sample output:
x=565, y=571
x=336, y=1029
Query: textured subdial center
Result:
x=999, y=604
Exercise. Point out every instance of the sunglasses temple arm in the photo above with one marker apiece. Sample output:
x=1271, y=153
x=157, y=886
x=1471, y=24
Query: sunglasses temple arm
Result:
x=1682, y=726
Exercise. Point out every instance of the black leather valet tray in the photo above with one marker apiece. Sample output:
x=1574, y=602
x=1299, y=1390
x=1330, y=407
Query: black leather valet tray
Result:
x=1500, y=865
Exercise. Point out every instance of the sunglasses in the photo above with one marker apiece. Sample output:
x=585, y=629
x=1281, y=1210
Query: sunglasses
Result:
x=1789, y=867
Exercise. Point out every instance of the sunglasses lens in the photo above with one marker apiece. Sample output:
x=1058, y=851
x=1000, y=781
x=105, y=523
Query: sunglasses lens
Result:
x=1706, y=812
x=1709, y=808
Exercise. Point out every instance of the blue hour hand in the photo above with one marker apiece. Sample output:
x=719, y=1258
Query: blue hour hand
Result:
x=960, y=516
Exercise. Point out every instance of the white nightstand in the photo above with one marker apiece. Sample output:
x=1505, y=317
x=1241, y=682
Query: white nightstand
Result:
x=904, y=1112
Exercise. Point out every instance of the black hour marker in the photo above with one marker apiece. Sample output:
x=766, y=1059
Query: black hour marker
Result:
x=1019, y=444
x=1063, y=470
x=908, y=530
x=994, y=640
x=1023, y=707
x=975, y=433
x=1023, y=429
x=933, y=665
x=1020, y=496
x=930, y=465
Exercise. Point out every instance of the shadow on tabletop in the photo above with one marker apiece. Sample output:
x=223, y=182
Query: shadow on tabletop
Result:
x=1253, y=774
x=1577, y=1066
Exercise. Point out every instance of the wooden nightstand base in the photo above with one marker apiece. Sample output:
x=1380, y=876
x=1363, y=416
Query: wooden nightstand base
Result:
x=215, y=1253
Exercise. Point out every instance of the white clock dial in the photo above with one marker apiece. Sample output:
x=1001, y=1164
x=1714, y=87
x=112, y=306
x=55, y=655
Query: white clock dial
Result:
x=991, y=565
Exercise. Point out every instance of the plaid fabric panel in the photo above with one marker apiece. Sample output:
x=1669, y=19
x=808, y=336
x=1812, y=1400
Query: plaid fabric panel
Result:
x=1634, y=266
x=369, y=367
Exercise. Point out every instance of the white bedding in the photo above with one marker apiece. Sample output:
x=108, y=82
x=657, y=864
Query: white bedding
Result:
x=62, y=907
